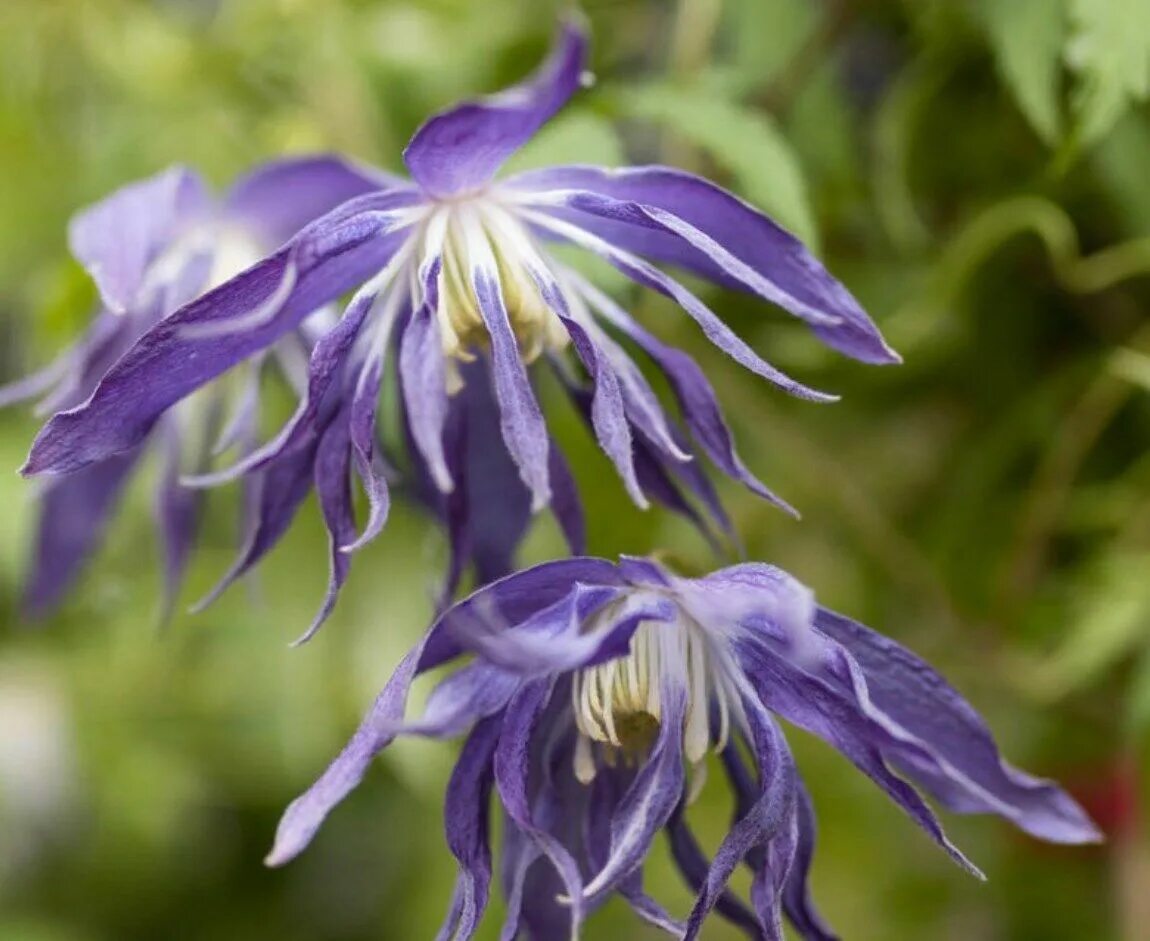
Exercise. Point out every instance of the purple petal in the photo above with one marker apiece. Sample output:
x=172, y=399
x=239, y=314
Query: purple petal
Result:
x=465, y=815
x=333, y=487
x=177, y=510
x=513, y=599
x=805, y=701
x=554, y=640
x=304, y=815
x=651, y=277
x=168, y=362
x=369, y=464
x=608, y=415
x=963, y=767
x=469, y=695
x=512, y=774
x=796, y=893
x=521, y=420
x=667, y=198
x=424, y=387
x=460, y=149
x=73, y=514
x=280, y=197
x=694, y=866
x=326, y=368
x=650, y=800
x=118, y=238
x=282, y=489
x=769, y=811
x=565, y=502
x=35, y=384
x=696, y=397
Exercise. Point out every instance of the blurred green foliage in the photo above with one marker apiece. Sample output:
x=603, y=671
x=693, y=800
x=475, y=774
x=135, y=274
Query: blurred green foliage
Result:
x=974, y=171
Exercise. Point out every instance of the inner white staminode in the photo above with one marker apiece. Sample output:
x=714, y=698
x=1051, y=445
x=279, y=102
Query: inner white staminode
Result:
x=478, y=235
x=618, y=704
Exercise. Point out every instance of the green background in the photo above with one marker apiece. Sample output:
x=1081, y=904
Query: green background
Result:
x=976, y=172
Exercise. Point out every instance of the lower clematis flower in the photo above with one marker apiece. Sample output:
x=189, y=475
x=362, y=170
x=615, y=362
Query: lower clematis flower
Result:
x=450, y=277
x=151, y=247
x=594, y=696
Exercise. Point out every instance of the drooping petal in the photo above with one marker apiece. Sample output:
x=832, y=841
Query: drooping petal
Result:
x=171, y=360
x=694, y=866
x=332, y=480
x=769, y=810
x=465, y=816
x=118, y=238
x=304, y=815
x=651, y=798
x=73, y=514
x=696, y=397
x=461, y=149
x=608, y=413
x=692, y=223
x=512, y=776
x=177, y=511
x=282, y=488
x=797, y=903
x=326, y=368
x=280, y=197
x=803, y=700
x=521, y=419
x=651, y=277
x=369, y=464
x=962, y=766
x=424, y=386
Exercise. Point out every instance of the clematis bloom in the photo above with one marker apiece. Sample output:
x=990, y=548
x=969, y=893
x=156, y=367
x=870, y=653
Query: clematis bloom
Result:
x=594, y=695
x=151, y=247
x=449, y=273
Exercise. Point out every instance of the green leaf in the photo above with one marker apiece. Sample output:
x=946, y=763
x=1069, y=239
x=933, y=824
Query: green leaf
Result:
x=1109, y=49
x=1139, y=702
x=1027, y=38
x=1132, y=366
x=573, y=137
x=742, y=141
x=1113, y=620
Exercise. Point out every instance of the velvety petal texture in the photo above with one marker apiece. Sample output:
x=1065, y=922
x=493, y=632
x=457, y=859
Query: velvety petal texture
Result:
x=596, y=691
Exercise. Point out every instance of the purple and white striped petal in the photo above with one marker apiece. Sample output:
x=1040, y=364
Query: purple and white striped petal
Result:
x=641, y=272
x=222, y=328
x=650, y=800
x=461, y=149
x=696, y=397
x=673, y=216
x=512, y=775
x=465, y=817
x=769, y=811
x=524, y=430
x=949, y=750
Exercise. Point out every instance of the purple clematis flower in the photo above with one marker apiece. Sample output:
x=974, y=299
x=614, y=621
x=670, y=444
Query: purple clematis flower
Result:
x=451, y=278
x=151, y=247
x=595, y=695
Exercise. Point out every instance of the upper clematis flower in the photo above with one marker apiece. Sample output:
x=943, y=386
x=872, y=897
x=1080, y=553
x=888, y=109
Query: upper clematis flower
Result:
x=450, y=272
x=151, y=247
x=595, y=695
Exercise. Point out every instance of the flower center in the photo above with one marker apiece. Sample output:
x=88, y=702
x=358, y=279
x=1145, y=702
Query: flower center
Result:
x=478, y=233
x=618, y=704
